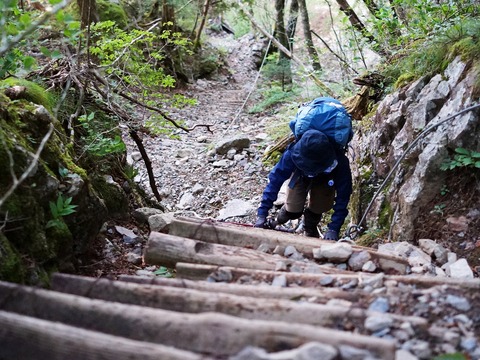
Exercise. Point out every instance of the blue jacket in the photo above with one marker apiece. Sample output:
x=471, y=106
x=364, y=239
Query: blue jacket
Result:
x=284, y=169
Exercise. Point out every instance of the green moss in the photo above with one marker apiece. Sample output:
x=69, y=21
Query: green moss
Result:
x=113, y=196
x=385, y=216
x=11, y=268
x=33, y=93
x=404, y=79
x=111, y=11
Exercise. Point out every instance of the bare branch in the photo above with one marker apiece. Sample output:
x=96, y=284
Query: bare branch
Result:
x=153, y=108
x=17, y=181
x=8, y=44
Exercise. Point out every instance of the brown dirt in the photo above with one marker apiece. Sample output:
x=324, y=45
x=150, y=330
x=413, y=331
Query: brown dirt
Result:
x=459, y=198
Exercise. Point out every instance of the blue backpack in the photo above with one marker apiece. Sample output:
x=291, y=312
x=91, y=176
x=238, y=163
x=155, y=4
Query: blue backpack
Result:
x=327, y=115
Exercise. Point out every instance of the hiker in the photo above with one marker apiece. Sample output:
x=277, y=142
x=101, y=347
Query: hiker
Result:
x=319, y=179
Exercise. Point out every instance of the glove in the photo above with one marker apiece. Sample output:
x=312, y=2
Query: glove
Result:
x=261, y=222
x=331, y=235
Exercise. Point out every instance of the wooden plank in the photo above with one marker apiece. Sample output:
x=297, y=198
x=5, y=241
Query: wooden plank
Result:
x=24, y=337
x=207, y=333
x=234, y=235
x=167, y=250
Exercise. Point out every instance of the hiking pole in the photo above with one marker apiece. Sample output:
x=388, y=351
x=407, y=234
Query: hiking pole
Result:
x=354, y=230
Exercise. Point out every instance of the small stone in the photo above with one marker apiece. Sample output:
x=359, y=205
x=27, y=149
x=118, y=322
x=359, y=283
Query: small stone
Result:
x=378, y=322
x=459, y=303
x=265, y=248
x=459, y=269
x=468, y=343
x=358, y=259
x=369, y=266
x=380, y=304
x=404, y=355
x=280, y=281
x=280, y=266
x=134, y=258
x=326, y=281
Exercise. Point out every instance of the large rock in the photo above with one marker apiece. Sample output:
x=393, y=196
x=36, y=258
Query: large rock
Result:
x=400, y=118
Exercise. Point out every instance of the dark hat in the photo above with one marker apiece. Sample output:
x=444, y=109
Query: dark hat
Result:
x=313, y=153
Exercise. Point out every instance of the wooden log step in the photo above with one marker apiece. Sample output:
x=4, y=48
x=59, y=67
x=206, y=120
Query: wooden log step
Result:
x=167, y=250
x=234, y=235
x=203, y=271
x=317, y=295
x=207, y=333
x=24, y=337
x=197, y=301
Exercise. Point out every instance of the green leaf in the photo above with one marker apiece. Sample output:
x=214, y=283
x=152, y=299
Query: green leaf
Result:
x=28, y=62
x=477, y=164
x=462, y=151
x=53, y=209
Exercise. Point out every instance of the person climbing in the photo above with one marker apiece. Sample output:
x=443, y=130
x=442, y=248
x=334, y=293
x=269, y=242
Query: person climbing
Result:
x=319, y=179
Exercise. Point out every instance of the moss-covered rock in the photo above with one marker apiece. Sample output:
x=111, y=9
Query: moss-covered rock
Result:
x=111, y=11
x=31, y=244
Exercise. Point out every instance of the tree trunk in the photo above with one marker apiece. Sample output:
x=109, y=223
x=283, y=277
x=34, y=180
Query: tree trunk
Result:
x=281, y=34
x=358, y=25
x=372, y=7
x=209, y=333
x=312, y=52
x=88, y=12
x=206, y=6
x=292, y=23
x=326, y=90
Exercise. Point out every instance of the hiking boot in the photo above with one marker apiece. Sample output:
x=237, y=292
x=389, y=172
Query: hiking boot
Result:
x=283, y=215
x=311, y=221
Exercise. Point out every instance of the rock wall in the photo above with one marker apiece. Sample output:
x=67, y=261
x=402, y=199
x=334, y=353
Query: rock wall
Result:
x=382, y=140
x=32, y=245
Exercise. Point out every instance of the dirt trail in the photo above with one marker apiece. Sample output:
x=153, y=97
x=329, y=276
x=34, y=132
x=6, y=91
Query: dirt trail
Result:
x=187, y=163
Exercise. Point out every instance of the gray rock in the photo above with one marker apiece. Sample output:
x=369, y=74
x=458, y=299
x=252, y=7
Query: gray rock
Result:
x=378, y=322
x=160, y=222
x=352, y=353
x=186, y=200
x=224, y=163
x=358, y=259
x=235, y=207
x=134, y=258
x=280, y=281
x=404, y=355
x=459, y=269
x=129, y=237
x=142, y=214
x=369, y=266
x=235, y=142
x=264, y=248
x=380, y=304
x=336, y=252
x=459, y=303
x=436, y=251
